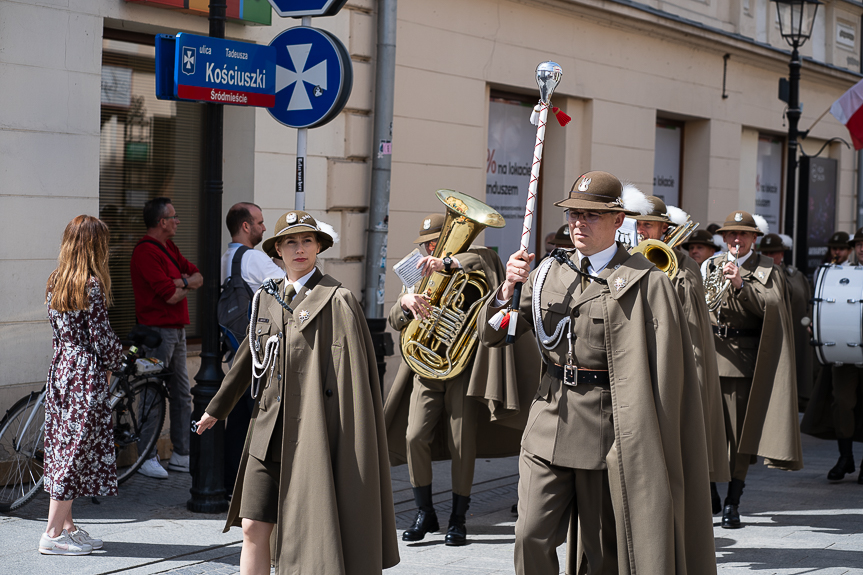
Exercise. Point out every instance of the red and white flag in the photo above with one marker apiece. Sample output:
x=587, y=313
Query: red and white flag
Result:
x=848, y=109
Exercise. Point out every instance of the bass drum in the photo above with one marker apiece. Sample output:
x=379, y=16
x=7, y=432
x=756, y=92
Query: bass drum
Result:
x=837, y=315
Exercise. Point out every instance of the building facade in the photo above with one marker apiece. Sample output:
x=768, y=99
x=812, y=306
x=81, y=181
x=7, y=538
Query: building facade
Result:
x=678, y=97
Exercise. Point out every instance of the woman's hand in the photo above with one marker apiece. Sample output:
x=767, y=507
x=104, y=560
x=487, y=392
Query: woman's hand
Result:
x=207, y=421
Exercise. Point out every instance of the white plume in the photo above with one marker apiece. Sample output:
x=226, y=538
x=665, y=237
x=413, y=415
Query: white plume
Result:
x=329, y=230
x=717, y=239
x=634, y=200
x=677, y=216
x=761, y=223
x=786, y=241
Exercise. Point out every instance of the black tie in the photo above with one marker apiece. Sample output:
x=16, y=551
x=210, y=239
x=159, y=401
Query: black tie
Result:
x=585, y=263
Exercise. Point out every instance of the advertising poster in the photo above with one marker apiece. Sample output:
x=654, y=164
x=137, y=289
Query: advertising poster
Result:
x=666, y=163
x=511, y=138
x=821, y=179
x=768, y=182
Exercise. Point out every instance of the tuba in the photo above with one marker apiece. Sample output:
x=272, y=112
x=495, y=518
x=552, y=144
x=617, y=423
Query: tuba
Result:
x=441, y=345
x=659, y=252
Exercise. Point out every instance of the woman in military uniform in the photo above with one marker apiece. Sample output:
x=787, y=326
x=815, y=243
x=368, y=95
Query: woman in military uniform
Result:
x=315, y=464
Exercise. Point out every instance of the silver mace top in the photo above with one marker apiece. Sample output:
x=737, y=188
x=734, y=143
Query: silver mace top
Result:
x=547, y=78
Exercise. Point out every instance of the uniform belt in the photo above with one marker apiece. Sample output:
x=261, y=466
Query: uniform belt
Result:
x=594, y=376
x=724, y=331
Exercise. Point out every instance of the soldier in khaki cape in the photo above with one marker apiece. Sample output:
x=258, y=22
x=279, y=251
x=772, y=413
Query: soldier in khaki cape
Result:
x=690, y=289
x=423, y=413
x=315, y=464
x=597, y=458
x=835, y=410
x=755, y=351
x=700, y=246
x=774, y=246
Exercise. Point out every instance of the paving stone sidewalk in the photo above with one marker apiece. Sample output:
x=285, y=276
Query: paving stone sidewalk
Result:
x=796, y=523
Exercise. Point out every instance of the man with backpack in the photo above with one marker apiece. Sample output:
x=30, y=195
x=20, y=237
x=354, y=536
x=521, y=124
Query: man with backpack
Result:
x=244, y=269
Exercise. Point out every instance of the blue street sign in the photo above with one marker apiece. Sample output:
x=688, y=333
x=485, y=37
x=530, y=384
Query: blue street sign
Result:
x=313, y=77
x=222, y=71
x=300, y=8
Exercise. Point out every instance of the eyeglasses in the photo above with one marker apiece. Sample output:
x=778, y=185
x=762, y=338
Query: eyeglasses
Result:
x=174, y=217
x=584, y=217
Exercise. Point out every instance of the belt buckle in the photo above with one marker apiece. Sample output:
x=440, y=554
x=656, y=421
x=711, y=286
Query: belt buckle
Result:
x=723, y=330
x=570, y=375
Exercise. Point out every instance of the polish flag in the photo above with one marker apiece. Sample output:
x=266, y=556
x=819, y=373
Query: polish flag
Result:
x=848, y=109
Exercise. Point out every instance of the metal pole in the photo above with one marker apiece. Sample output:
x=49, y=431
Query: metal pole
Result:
x=376, y=246
x=792, y=226
x=207, y=461
x=302, y=139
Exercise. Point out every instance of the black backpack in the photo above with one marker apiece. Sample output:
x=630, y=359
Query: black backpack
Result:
x=234, y=302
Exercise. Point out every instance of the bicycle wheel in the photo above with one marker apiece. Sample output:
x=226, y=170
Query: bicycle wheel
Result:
x=145, y=405
x=22, y=451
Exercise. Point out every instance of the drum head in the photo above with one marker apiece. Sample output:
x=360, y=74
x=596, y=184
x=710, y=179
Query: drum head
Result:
x=837, y=314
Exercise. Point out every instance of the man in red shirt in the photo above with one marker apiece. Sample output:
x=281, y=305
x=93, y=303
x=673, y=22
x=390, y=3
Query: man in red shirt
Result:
x=161, y=280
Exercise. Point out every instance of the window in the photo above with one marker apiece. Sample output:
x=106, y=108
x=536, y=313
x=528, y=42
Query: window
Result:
x=149, y=148
x=667, y=162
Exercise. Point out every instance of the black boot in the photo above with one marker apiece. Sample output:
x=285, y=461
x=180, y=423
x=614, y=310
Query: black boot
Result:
x=456, y=534
x=426, y=519
x=715, y=501
x=845, y=463
x=730, y=515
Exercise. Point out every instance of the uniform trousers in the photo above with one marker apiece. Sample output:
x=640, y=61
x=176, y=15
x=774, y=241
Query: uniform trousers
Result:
x=846, y=383
x=429, y=400
x=735, y=399
x=554, y=502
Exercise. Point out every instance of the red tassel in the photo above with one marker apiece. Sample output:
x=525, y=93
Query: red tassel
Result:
x=505, y=322
x=562, y=118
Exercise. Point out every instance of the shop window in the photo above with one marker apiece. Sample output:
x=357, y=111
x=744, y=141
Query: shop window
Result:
x=149, y=148
x=768, y=184
x=667, y=161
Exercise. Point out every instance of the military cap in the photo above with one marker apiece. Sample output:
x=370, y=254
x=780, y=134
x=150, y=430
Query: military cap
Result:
x=562, y=238
x=298, y=222
x=603, y=192
x=858, y=237
x=772, y=243
x=740, y=221
x=838, y=240
x=702, y=237
x=430, y=228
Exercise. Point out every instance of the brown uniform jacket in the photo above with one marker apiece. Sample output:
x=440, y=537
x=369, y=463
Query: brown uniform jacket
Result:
x=657, y=464
x=690, y=290
x=323, y=404
x=771, y=428
x=504, y=380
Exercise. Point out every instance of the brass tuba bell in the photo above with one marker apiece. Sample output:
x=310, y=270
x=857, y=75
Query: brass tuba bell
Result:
x=660, y=253
x=441, y=345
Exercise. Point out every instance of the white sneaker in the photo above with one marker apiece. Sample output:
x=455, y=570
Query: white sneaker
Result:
x=179, y=462
x=151, y=468
x=82, y=536
x=63, y=544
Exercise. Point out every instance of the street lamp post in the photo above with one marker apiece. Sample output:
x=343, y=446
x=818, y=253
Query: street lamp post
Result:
x=796, y=18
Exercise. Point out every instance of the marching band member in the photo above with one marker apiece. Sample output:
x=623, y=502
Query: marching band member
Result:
x=432, y=419
x=755, y=353
x=614, y=447
x=838, y=248
x=835, y=409
x=700, y=246
x=774, y=247
x=314, y=469
x=690, y=290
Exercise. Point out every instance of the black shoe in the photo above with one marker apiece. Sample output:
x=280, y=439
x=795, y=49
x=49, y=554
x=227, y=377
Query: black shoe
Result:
x=843, y=466
x=860, y=476
x=425, y=522
x=426, y=519
x=456, y=533
x=715, y=500
x=730, y=517
x=514, y=509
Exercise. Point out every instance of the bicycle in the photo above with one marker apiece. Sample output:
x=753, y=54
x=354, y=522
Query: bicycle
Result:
x=137, y=398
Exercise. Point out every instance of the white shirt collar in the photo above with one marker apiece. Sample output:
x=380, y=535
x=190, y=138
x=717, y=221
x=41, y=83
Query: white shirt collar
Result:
x=599, y=260
x=742, y=259
x=302, y=281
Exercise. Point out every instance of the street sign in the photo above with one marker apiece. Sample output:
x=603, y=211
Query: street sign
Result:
x=300, y=8
x=313, y=77
x=223, y=71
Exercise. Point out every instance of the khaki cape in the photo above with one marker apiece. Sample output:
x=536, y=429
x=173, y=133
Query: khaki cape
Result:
x=502, y=379
x=771, y=429
x=690, y=289
x=801, y=293
x=336, y=513
x=657, y=466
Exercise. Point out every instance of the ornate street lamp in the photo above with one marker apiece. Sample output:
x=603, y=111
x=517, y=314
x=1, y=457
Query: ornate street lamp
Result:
x=796, y=18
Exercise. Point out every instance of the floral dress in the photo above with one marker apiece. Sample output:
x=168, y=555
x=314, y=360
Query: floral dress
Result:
x=79, y=441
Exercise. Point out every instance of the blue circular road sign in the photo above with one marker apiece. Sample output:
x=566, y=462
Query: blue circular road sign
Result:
x=313, y=77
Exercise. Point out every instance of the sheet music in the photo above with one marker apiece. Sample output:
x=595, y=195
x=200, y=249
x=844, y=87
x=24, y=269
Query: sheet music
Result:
x=407, y=270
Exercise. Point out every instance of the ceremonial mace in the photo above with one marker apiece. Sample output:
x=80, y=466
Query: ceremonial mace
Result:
x=548, y=76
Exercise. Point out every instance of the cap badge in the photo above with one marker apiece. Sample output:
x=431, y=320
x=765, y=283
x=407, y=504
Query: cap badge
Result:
x=303, y=315
x=582, y=187
x=304, y=218
x=738, y=217
x=620, y=283
x=427, y=224
x=292, y=218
